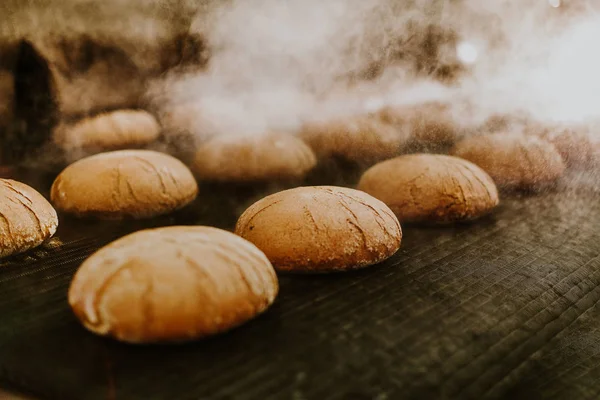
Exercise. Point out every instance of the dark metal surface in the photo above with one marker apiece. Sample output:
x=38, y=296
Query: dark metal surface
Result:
x=506, y=307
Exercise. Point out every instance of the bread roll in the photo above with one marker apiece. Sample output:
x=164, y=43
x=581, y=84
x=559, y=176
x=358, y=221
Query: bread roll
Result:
x=514, y=161
x=253, y=158
x=109, y=131
x=427, y=123
x=321, y=229
x=576, y=145
x=26, y=218
x=172, y=284
x=362, y=139
x=431, y=188
x=124, y=183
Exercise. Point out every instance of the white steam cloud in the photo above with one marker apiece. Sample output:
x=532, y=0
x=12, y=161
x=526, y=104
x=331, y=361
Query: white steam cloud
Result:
x=276, y=63
x=546, y=65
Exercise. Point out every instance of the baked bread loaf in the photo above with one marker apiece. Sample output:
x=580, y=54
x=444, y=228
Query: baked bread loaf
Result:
x=363, y=139
x=321, y=229
x=172, y=284
x=426, y=123
x=576, y=144
x=26, y=218
x=514, y=161
x=249, y=158
x=431, y=188
x=124, y=184
x=108, y=131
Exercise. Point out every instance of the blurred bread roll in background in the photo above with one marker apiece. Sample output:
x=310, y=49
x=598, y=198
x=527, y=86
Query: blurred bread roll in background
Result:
x=431, y=188
x=26, y=218
x=113, y=130
x=428, y=123
x=321, y=229
x=362, y=139
x=513, y=160
x=576, y=143
x=251, y=158
x=172, y=284
x=124, y=184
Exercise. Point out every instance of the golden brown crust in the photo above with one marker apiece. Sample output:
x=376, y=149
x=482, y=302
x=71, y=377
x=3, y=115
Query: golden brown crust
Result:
x=431, y=188
x=428, y=122
x=26, y=218
x=321, y=229
x=172, y=284
x=253, y=158
x=363, y=139
x=576, y=144
x=513, y=160
x=109, y=131
x=124, y=183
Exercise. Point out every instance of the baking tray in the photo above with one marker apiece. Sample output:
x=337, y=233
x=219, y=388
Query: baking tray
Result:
x=506, y=307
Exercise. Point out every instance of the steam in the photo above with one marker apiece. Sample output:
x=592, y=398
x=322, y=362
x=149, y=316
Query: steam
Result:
x=545, y=67
x=275, y=64
x=566, y=87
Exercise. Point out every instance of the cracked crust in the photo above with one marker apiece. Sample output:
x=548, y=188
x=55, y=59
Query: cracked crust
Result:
x=124, y=184
x=26, y=218
x=363, y=139
x=514, y=161
x=108, y=131
x=431, y=188
x=172, y=284
x=321, y=229
x=251, y=158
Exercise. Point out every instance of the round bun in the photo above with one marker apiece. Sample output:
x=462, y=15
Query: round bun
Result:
x=431, y=188
x=172, y=284
x=363, y=139
x=253, y=158
x=109, y=131
x=124, y=184
x=427, y=122
x=513, y=160
x=321, y=229
x=26, y=218
x=576, y=145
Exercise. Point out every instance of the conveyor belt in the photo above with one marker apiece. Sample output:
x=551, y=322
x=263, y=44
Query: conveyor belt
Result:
x=503, y=308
